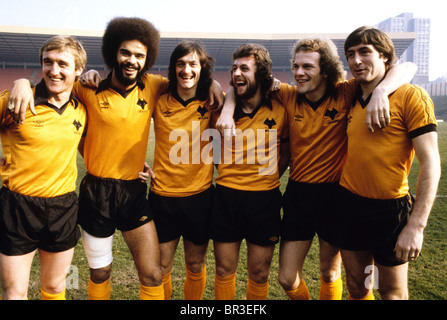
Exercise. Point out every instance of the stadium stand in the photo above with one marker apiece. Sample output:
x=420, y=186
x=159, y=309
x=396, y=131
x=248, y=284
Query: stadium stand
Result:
x=8, y=75
x=19, y=49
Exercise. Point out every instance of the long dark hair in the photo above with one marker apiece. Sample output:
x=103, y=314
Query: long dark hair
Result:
x=206, y=64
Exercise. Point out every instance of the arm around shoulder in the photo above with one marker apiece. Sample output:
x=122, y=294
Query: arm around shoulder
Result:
x=378, y=110
x=20, y=98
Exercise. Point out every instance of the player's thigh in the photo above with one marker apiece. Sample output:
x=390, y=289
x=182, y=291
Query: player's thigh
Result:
x=195, y=255
x=330, y=261
x=227, y=257
x=393, y=281
x=143, y=243
x=167, y=253
x=144, y=247
x=291, y=258
x=358, y=266
x=259, y=259
x=54, y=268
x=14, y=275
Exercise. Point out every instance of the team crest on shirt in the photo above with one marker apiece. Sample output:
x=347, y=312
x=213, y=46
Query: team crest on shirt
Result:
x=298, y=118
x=270, y=122
x=202, y=110
x=331, y=113
x=77, y=124
x=142, y=103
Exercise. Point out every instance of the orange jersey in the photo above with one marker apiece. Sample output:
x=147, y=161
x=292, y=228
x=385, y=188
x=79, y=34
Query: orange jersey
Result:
x=317, y=132
x=250, y=160
x=41, y=154
x=180, y=170
x=118, y=131
x=379, y=162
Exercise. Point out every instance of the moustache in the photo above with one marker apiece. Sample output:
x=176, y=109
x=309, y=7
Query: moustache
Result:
x=130, y=65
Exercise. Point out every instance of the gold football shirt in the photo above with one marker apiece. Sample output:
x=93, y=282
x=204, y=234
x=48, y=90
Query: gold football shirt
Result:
x=250, y=160
x=317, y=132
x=118, y=130
x=41, y=154
x=378, y=163
x=183, y=163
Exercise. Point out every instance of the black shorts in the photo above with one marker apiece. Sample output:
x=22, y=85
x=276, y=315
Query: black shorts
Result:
x=372, y=225
x=30, y=223
x=305, y=210
x=251, y=215
x=107, y=204
x=182, y=216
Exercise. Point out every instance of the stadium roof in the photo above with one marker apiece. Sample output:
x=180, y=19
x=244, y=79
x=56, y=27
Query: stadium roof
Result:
x=19, y=46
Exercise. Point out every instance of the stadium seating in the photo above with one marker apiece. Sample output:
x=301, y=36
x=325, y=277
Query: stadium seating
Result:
x=8, y=75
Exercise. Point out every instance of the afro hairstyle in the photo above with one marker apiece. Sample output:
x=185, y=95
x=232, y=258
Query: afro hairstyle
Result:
x=122, y=29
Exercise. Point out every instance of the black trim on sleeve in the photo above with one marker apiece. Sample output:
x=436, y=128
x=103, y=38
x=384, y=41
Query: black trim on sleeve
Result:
x=420, y=131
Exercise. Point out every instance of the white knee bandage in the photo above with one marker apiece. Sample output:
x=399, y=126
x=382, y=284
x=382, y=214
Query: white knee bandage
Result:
x=97, y=250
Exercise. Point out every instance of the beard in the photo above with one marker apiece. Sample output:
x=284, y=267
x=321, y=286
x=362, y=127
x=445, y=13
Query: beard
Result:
x=249, y=92
x=125, y=80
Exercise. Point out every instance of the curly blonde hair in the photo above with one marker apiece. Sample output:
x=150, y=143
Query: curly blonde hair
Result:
x=330, y=63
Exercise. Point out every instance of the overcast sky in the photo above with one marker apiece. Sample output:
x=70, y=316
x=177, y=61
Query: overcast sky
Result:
x=233, y=16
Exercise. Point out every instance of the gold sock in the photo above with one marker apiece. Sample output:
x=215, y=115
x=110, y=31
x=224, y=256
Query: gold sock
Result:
x=370, y=296
x=225, y=287
x=167, y=285
x=300, y=293
x=99, y=291
x=50, y=296
x=152, y=293
x=257, y=291
x=195, y=284
x=331, y=290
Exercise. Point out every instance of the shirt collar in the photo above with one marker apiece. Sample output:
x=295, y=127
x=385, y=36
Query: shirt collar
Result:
x=107, y=84
x=41, y=98
x=181, y=101
x=239, y=113
x=359, y=94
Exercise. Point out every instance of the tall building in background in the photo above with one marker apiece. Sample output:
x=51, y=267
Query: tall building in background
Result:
x=419, y=50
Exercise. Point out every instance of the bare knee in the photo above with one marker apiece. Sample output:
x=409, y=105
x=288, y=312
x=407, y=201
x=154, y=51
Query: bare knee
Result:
x=151, y=276
x=288, y=281
x=54, y=286
x=393, y=293
x=259, y=273
x=14, y=293
x=195, y=267
x=330, y=269
x=101, y=274
x=225, y=270
x=330, y=275
x=357, y=288
x=195, y=263
x=330, y=262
